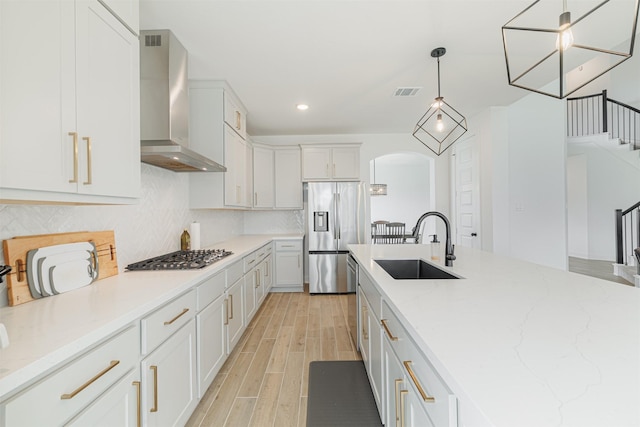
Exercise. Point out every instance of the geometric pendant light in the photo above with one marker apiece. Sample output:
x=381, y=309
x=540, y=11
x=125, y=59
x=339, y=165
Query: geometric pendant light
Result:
x=555, y=47
x=442, y=124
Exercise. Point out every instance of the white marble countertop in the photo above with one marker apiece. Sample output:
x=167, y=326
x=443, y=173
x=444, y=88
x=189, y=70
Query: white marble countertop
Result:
x=521, y=344
x=48, y=332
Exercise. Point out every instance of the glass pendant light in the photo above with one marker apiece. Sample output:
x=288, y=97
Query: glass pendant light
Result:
x=377, y=189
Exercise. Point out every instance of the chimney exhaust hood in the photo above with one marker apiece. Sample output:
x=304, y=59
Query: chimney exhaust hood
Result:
x=164, y=106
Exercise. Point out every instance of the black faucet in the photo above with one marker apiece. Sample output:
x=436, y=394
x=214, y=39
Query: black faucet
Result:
x=449, y=256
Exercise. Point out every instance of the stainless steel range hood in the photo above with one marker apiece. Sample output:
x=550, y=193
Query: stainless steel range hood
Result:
x=164, y=106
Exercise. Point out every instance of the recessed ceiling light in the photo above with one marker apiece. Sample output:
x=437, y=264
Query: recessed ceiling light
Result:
x=302, y=107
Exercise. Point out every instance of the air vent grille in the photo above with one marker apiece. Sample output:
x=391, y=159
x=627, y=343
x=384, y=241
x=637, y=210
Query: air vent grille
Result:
x=152, y=40
x=406, y=91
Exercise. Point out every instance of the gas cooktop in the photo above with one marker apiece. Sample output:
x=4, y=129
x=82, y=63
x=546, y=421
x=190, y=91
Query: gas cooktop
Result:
x=181, y=260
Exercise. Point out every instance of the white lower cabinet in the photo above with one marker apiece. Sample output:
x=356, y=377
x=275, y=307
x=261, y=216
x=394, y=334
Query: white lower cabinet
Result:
x=169, y=380
x=250, y=290
x=120, y=406
x=235, y=317
x=371, y=349
x=288, y=266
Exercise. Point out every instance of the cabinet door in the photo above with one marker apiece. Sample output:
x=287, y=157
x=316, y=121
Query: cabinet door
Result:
x=231, y=185
x=375, y=360
x=211, y=342
x=119, y=406
x=288, y=179
x=235, y=318
x=267, y=276
x=234, y=116
x=263, y=173
x=316, y=163
x=37, y=95
x=108, y=113
x=169, y=380
x=288, y=268
x=346, y=163
x=250, y=288
x=395, y=382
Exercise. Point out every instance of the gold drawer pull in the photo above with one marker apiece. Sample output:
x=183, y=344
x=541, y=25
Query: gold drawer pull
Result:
x=386, y=328
x=75, y=156
x=138, y=397
x=425, y=397
x=177, y=317
x=231, y=302
x=226, y=314
x=155, y=388
x=87, y=139
x=398, y=413
x=71, y=395
x=403, y=393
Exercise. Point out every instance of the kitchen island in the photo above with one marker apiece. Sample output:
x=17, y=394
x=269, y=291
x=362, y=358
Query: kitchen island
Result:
x=520, y=344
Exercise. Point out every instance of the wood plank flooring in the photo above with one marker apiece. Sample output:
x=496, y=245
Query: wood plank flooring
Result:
x=265, y=379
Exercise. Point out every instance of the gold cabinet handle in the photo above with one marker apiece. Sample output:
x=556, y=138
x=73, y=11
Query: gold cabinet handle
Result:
x=226, y=314
x=425, y=397
x=71, y=395
x=364, y=322
x=386, y=328
x=155, y=388
x=136, y=384
x=398, y=413
x=231, y=302
x=256, y=276
x=334, y=169
x=177, y=317
x=238, y=120
x=89, y=170
x=403, y=393
x=75, y=156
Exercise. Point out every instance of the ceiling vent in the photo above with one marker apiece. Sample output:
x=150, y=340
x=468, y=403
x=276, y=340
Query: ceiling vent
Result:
x=406, y=91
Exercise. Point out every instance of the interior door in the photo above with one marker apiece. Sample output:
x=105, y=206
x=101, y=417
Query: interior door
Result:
x=467, y=194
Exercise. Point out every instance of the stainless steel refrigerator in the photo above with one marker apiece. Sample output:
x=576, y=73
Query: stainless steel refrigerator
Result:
x=335, y=218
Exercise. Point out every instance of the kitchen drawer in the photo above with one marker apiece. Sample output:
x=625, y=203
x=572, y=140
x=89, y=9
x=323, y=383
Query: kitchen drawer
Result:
x=211, y=289
x=288, y=245
x=234, y=273
x=263, y=252
x=67, y=391
x=250, y=261
x=162, y=323
x=443, y=409
x=371, y=292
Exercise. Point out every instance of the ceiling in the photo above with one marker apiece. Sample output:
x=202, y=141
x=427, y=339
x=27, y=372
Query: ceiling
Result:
x=344, y=58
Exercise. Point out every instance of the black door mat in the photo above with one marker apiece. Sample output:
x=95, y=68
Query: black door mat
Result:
x=340, y=395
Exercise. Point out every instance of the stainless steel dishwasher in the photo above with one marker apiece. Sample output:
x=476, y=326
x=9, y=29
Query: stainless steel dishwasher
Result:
x=352, y=309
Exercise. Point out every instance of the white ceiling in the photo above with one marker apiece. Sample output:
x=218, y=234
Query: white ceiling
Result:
x=344, y=58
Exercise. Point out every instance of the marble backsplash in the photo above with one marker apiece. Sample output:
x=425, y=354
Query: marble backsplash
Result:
x=149, y=228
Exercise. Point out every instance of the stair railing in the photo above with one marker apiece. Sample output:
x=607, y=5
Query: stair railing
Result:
x=594, y=114
x=627, y=233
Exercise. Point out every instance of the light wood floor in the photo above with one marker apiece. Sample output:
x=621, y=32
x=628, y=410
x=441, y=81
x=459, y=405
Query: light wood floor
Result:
x=596, y=268
x=264, y=381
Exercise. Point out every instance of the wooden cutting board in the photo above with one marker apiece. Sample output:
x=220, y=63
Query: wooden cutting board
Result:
x=15, y=255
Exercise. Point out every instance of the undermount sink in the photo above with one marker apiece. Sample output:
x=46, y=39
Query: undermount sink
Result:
x=412, y=269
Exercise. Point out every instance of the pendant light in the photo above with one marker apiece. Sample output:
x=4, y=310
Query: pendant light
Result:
x=555, y=47
x=442, y=124
x=377, y=189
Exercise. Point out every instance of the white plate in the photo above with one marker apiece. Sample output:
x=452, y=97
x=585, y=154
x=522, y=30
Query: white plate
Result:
x=65, y=277
x=77, y=256
x=34, y=257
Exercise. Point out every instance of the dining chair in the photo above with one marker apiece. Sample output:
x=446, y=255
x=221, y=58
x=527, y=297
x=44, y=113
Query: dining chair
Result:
x=395, y=232
x=378, y=231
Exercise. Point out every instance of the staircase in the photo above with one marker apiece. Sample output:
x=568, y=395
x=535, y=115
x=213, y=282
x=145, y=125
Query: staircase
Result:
x=615, y=128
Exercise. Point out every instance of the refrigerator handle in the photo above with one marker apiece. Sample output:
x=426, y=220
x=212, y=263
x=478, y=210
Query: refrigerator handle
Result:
x=338, y=219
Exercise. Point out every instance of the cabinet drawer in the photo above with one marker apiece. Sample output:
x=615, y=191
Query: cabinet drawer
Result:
x=288, y=245
x=64, y=393
x=262, y=252
x=427, y=384
x=211, y=289
x=234, y=273
x=163, y=322
x=250, y=261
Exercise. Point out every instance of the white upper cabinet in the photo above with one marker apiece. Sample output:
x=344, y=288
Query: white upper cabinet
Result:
x=234, y=116
x=263, y=175
x=288, y=179
x=211, y=135
x=69, y=107
x=322, y=163
x=128, y=11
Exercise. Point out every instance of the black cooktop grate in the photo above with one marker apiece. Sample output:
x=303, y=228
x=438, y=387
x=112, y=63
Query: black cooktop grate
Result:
x=181, y=260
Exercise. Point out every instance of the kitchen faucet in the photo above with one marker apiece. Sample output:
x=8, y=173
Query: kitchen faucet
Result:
x=449, y=256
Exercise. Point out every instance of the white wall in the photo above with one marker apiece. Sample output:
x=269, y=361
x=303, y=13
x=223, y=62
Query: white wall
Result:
x=409, y=183
x=577, y=206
